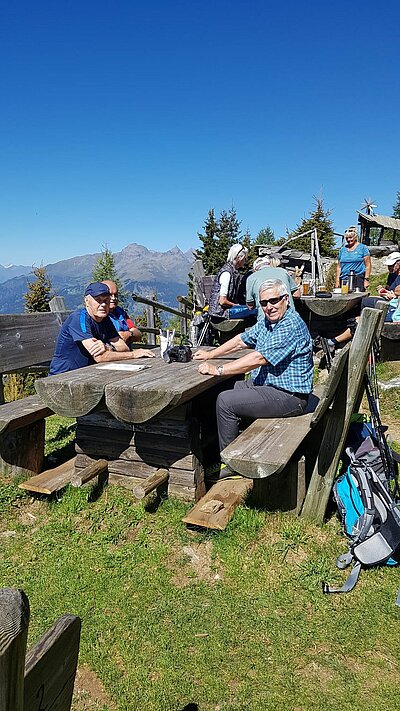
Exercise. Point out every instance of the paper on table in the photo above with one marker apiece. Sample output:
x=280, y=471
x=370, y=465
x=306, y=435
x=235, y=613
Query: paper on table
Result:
x=123, y=366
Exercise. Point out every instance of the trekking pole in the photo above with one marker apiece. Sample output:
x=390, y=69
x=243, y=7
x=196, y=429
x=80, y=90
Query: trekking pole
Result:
x=384, y=449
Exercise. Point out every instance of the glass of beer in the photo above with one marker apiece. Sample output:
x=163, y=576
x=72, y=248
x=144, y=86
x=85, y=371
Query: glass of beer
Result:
x=306, y=288
x=345, y=286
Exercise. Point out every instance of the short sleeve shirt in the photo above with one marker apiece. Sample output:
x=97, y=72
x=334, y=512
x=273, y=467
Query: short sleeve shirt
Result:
x=287, y=348
x=257, y=278
x=120, y=319
x=353, y=261
x=69, y=353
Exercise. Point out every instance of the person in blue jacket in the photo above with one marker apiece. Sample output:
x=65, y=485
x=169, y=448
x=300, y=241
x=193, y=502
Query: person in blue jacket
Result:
x=88, y=335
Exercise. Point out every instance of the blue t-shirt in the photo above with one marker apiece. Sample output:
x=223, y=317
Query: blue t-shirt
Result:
x=118, y=318
x=393, y=280
x=70, y=354
x=353, y=261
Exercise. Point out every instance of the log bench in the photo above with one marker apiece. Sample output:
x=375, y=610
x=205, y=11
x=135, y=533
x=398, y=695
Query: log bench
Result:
x=270, y=448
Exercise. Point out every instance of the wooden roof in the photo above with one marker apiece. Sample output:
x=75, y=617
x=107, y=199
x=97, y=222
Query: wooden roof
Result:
x=389, y=223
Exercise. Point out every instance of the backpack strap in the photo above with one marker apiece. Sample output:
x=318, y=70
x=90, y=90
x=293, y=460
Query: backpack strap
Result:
x=349, y=584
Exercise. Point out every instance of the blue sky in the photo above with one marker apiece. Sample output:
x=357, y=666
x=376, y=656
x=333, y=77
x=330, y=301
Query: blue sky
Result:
x=125, y=122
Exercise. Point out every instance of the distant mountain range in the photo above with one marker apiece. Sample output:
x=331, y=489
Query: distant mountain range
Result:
x=141, y=271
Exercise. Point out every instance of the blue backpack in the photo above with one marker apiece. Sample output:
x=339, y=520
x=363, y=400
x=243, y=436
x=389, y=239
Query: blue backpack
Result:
x=369, y=514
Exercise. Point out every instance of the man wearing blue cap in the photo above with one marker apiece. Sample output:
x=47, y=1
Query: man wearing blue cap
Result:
x=88, y=335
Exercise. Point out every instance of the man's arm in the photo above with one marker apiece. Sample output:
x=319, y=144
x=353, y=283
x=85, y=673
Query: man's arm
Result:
x=234, y=344
x=103, y=353
x=235, y=367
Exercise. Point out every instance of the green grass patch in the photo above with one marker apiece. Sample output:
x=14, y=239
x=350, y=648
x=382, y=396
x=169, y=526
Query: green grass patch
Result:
x=60, y=433
x=231, y=621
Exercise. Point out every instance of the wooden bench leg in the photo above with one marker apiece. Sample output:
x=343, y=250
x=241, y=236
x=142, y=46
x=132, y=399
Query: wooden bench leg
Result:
x=22, y=451
x=284, y=491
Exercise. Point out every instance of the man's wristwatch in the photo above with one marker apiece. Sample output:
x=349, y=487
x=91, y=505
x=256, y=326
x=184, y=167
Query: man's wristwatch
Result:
x=220, y=370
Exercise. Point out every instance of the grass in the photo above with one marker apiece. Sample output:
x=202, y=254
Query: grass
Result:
x=228, y=621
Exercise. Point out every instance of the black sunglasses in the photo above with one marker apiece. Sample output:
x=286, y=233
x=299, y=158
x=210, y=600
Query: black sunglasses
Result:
x=273, y=301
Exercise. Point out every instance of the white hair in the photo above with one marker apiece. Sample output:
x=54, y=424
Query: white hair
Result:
x=274, y=284
x=235, y=251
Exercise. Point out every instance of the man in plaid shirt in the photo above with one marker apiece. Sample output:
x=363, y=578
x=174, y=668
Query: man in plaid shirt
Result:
x=280, y=360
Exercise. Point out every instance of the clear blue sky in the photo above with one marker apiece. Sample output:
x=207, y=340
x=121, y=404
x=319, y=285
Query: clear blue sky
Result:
x=125, y=122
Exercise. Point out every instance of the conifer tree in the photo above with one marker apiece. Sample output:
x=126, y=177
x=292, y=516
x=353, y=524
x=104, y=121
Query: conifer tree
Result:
x=218, y=237
x=39, y=291
x=105, y=268
x=396, y=207
x=319, y=218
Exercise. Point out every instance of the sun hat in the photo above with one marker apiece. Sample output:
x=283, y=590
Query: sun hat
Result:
x=391, y=259
x=97, y=288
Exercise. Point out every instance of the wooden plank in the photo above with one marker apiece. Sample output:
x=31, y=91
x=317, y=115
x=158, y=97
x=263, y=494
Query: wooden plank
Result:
x=229, y=492
x=266, y=446
x=51, y=666
x=338, y=419
x=338, y=365
x=51, y=480
x=159, y=459
x=27, y=339
x=14, y=621
x=151, y=483
x=19, y=413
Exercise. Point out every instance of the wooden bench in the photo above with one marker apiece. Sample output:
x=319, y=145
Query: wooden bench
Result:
x=390, y=341
x=271, y=447
x=44, y=677
x=27, y=342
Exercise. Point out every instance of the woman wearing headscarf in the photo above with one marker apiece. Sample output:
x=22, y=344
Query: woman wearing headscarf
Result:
x=224, y=290
x=354, y=257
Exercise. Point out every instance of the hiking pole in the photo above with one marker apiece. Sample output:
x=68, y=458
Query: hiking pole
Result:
x=384, y=449
x=327, y=353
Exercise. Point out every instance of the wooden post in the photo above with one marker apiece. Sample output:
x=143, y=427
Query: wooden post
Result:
x=338, y=418
x=151, y=483
x=14, y=621
x=1, y=390
x=182, y=320
x=90, y=472
x=151, y=338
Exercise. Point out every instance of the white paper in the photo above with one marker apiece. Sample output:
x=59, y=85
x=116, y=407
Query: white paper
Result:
x=123, y=366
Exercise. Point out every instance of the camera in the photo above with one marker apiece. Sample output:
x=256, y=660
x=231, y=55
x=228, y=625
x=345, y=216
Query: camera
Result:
x=178, y=354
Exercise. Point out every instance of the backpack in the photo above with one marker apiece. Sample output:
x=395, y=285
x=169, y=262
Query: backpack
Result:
x=369, y=515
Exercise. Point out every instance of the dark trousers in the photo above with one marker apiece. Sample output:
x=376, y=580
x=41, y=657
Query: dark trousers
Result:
x=251, y=401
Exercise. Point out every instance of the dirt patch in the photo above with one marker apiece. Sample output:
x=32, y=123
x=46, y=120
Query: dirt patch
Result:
x=197, y=562
x=89, y=693
x=316, y=671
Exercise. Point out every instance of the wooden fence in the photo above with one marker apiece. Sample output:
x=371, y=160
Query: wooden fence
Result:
x=151, y=306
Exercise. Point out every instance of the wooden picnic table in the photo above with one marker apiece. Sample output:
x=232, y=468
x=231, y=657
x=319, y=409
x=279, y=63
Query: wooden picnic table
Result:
x=162, y=416
x=328, y=316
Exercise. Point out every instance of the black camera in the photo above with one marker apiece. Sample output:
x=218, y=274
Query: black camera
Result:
x=178, y=354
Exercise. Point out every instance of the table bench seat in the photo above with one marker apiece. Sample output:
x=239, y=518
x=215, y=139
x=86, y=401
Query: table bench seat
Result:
x=22, y=431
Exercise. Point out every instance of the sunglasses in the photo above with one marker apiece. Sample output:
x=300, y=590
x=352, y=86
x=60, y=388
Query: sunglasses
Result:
x=273, y=301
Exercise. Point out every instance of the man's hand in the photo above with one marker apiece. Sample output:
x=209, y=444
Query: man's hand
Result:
x=207, y=369
x=96, y=348
x=142, y=353
x=202, y=355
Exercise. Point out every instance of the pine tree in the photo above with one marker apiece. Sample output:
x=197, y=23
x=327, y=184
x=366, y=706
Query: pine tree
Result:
x=218, y=237
x=105, y=268
x=396, y=207
x=319, y=218
x=39, y=291
x=265, y=236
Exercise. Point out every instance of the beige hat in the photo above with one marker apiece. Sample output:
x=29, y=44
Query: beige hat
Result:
x=391, y=259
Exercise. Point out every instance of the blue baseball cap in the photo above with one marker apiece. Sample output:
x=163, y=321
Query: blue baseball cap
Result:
x=97, y=288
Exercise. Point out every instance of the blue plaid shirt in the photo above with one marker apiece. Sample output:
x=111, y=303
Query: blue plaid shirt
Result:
x=287, y=346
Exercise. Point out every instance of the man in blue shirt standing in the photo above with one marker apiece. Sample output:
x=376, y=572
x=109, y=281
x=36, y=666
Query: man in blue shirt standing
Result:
x=88, y=335
x=280, y=360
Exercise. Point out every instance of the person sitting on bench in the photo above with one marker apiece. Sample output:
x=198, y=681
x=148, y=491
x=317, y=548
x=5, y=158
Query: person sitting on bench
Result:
x=88, y=335
x=225, y=288
x=268, y=268
x=121, y=320
x=281, y=361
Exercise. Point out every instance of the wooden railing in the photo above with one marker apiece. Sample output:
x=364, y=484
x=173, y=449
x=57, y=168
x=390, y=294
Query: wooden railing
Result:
x=151, y=306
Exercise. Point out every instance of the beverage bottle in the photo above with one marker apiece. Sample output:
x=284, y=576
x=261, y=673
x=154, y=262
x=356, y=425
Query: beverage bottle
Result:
x=352, y=279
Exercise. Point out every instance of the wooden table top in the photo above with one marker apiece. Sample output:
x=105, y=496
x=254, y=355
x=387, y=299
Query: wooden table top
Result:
x=333, y=306
x=133, y=397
